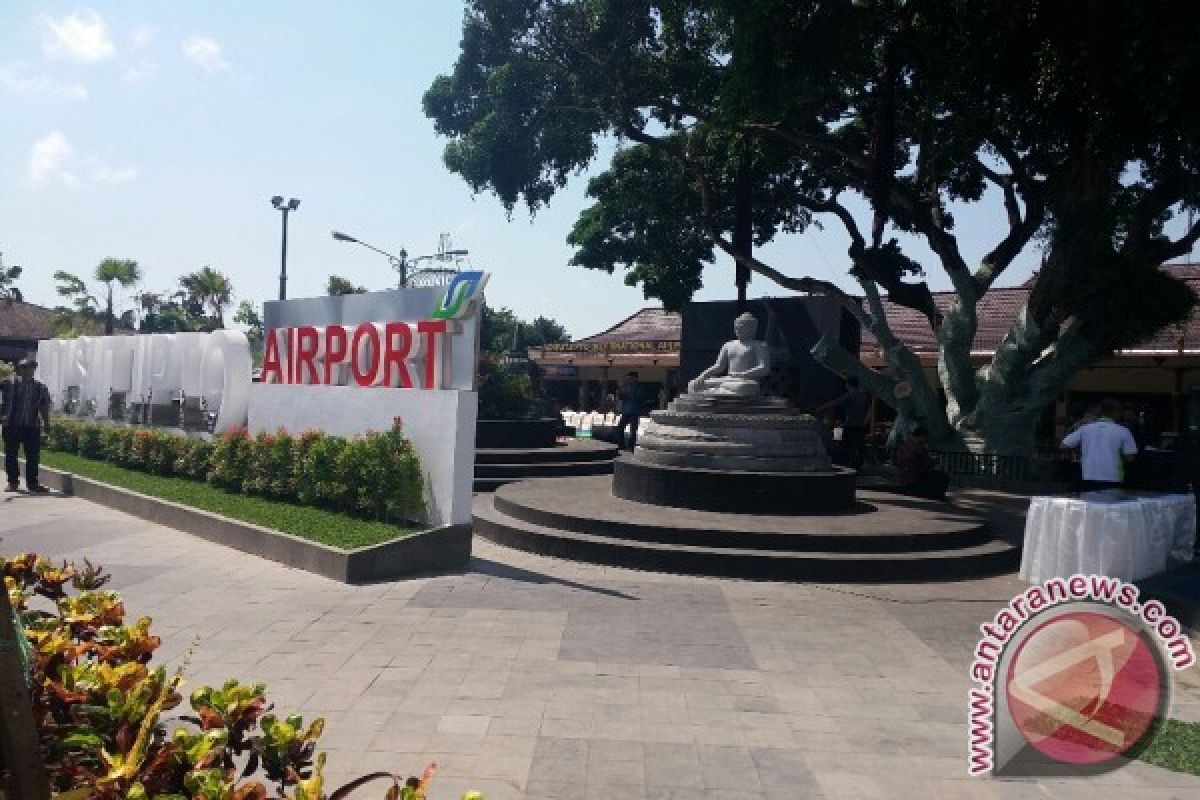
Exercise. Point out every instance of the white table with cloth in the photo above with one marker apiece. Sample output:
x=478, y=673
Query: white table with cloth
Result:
x=1126, y=535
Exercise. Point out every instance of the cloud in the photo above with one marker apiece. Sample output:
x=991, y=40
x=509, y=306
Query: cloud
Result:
x=16, y=79
x=49, y=161
x=142, y=72
x=143, y=35
x=205, y=53
x=52, y=162
x=81, y=37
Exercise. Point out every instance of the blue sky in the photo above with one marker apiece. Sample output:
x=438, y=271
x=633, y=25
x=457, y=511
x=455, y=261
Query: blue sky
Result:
x=159, y=131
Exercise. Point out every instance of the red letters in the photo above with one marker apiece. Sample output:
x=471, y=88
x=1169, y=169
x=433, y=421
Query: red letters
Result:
x=272, y=370
x=377, y=354
x=308, y=347
x=364, y=352
x=429, y=330
x=398, y=344
x=335, y=351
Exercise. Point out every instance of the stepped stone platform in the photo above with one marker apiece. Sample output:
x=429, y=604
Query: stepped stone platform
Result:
x=496, y=467
x=881, y=538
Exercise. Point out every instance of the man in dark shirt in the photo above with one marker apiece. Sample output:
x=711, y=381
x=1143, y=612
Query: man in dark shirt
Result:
x=26, y=403
x=631, y=412
x=854, y=405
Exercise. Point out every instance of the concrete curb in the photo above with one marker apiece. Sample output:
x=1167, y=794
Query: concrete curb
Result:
x=437, y=550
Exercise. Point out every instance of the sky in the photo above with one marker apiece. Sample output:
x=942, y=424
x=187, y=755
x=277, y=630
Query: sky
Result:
x=159, y=132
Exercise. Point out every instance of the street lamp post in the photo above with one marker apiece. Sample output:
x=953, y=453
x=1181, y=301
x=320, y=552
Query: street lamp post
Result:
x=399, y=263
x=291, y=205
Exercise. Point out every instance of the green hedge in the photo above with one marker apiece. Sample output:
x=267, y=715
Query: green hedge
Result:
x=376, y=476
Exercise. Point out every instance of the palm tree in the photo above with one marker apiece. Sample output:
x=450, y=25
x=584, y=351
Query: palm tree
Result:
x=124, y=272
x=209, y=288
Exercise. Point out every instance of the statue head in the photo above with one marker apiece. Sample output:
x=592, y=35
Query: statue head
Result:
x=745, y=326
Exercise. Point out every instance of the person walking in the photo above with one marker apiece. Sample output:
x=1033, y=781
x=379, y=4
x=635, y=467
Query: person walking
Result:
x=26, y=403
x=1105, y=447
x=631, y=412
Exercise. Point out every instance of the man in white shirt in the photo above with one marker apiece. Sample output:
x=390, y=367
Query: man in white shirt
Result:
x=1105, y=445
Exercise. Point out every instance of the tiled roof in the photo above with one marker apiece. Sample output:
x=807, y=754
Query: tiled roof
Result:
x=25, y=321
x=647, y=325
x=1000, y=306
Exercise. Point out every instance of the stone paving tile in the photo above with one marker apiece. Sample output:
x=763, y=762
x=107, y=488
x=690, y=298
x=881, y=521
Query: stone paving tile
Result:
x=535, y=678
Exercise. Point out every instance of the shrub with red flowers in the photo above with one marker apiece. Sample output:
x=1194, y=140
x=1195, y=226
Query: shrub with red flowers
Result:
x=377, y=476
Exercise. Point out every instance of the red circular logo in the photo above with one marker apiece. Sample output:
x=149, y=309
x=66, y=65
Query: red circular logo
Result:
x=1084, y=687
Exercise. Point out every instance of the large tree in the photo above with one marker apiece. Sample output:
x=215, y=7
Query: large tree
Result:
x=739, y=119
x=211, y=289
x=502, y=331
x=121, y=271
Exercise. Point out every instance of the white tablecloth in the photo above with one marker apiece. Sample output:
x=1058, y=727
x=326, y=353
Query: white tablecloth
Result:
x=1120, y=534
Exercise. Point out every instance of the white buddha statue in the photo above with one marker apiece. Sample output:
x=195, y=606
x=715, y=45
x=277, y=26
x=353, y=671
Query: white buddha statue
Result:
x=740, y=364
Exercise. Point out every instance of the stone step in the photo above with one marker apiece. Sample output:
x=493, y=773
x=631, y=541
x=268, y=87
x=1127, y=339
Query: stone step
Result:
x=547, y=469
x=491, y=484
x=574, y=451
x=761, y=564
x=855, y=532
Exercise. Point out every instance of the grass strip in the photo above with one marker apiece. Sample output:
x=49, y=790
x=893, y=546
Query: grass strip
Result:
x=317, y=525
x=1176, y=747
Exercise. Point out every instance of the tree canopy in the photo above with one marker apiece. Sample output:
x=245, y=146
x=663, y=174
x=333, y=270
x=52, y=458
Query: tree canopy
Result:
x=502, y=331
x=752, y=118
x=337, y=285
x=122, y=271
x=210, y=289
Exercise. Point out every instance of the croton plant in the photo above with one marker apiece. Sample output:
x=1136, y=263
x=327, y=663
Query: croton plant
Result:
x=101, y=709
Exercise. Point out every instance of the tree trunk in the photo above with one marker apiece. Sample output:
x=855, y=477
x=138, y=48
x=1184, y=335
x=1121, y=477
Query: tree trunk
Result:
x=108, y=314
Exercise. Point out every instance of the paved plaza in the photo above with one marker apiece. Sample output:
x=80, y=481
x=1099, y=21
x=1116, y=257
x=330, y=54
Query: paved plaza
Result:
x=529, y=677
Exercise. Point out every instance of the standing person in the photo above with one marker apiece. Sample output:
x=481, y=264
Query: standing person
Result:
x=26, y=403
x=631, y=412
x=1105, y=446
x=854, y=404
x=918, y=468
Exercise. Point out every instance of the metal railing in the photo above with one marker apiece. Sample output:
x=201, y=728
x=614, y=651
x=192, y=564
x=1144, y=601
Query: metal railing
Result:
x=983, y=465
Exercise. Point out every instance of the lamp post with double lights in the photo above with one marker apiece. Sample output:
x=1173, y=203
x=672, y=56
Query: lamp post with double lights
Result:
x=399, y=263
x=284, y=207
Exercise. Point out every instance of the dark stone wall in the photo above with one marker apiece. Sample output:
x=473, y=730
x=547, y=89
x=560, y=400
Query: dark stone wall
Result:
x=797, y=324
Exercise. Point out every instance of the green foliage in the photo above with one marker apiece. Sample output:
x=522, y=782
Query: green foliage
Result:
x=231, y=459
x=323, y=481
x=337, y=285
x=738, y=119
x=377, y=476
x=9, y=292
x=101, y=709
x=91, y=443
x=504, y=393
x=330, y=527
x=211, y=289
x=195, y=459
x=121, y=271
x=499, y=332
x=247, y=314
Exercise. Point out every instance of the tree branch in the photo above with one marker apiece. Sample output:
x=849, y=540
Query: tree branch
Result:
x=1180, y=247
x=803, y=142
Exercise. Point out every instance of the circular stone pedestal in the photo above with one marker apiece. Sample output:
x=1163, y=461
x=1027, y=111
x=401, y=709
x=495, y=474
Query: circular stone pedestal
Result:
x=741, y=492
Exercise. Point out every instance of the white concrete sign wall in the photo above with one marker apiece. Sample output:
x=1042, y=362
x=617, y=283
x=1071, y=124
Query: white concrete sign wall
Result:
x=440, y=423
x=150, y=368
